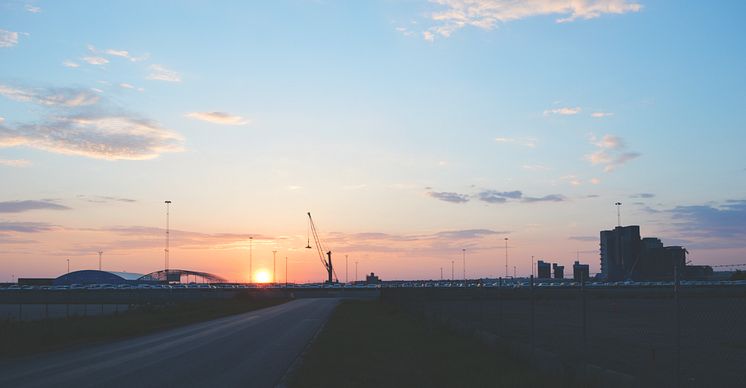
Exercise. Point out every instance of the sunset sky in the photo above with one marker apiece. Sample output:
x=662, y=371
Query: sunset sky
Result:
x=409, y=129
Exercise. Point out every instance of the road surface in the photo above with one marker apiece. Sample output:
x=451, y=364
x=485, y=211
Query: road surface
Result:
x=253, y=349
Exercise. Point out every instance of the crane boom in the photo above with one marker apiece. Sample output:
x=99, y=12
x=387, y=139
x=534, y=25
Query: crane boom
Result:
x=326, y=258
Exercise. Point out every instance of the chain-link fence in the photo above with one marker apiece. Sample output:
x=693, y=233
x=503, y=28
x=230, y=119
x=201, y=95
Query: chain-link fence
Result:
x=655, y=336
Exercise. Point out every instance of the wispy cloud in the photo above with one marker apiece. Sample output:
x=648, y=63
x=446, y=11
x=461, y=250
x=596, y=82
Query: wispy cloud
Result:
x=160, y=73
x=124, y=54
x=14, y=163
x=70, y=97
x=111, y=137
x=712, y=226
x=218, y=118
x=642, y=195
x=611, y=152
x=125, y=85
x=25, y=227
x=8, y=38
x=93, y=132
x=104, y=199
x=493, y=196
x=32, y=8
x=546, y=198
x=430, y=244
x=526, y=141
x=449, y=197
x=92, y=60
x=487, y=14
x=564, y=111
x=70, y=64
x=28, y=205
x=600, y=115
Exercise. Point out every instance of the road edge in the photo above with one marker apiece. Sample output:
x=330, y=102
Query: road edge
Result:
x=298, y=361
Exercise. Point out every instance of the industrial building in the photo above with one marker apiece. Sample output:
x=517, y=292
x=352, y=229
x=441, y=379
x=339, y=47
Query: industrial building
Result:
x=580, y=272
x=627, y=256
x=559, y=271
x=543, y=270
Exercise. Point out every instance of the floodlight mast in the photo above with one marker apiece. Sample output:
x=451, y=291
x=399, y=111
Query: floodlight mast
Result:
x=326, y=262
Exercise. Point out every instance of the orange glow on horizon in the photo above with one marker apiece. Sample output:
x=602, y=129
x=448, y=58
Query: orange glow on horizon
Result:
x=262, y=276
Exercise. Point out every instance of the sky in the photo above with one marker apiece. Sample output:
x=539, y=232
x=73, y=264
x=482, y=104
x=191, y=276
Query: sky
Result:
x=419, y=134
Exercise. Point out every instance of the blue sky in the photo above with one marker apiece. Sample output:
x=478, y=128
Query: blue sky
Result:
x=411, y=129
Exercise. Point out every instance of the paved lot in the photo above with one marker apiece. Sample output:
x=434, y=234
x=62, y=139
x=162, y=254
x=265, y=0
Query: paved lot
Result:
x=253, y=349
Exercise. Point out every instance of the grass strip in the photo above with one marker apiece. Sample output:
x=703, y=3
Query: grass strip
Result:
x=374, y=344
x=27, y=338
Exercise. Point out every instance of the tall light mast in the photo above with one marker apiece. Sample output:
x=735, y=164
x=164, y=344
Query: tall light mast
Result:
x=99, y=259
x=168, y=234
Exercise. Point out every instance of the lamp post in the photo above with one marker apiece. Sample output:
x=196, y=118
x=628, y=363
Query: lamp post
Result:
x=68, y=265
x=506, y=257
x=347, y=280
x=99, y=259
x=532, y=265
x=618, y=213
x=274, y=266
x=286, y=272
x=453, y=277
x=463, y=253
x=251, y=259
x=168, y=209
x=356, y=272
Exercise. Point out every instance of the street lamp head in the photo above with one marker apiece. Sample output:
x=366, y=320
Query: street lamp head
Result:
x=167, y=202
x=618, y=203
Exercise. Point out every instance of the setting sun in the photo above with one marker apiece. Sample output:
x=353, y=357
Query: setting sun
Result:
x=262, y=276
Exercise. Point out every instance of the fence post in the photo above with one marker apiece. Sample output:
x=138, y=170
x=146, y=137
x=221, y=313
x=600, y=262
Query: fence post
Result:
x=501, y=298
x=678, y=324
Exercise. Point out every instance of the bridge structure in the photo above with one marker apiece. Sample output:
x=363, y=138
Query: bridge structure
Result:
x=182, y=276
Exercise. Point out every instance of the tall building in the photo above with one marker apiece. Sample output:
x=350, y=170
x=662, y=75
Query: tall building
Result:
x=543, y=270
x=620, y=251
x=580, y=272
x=626, y=256
x=559, y=271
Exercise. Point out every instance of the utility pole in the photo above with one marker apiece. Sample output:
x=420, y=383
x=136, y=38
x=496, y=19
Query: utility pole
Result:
x=99, y=259
x=506, y=257
x=441, y=273
x=168, y=226
x=286, y=272
x=68, y=265
x=274, y=267
x=356, y=272
x=347, y=280
x=532, y=265
x=463, y=252
x=453, y=277
x=514, y=270
x=251, y=259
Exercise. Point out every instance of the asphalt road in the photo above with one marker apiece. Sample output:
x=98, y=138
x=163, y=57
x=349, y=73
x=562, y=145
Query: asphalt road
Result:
x=254, y=349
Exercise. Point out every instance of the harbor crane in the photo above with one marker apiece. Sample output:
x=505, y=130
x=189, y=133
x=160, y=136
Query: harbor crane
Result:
x=326, y=258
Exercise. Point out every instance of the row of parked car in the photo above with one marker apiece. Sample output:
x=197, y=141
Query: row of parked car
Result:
x=178, y=286
x=426, y=284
